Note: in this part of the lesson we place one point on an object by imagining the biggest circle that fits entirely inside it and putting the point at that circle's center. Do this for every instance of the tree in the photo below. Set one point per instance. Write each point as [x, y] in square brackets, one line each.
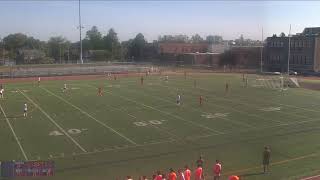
[94, 39]
[57, 46]
[112, 44]
[136, 47]
[196, 38]
[282, 34]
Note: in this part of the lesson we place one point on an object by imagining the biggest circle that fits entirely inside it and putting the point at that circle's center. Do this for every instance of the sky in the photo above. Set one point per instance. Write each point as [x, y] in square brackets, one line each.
[43, 19]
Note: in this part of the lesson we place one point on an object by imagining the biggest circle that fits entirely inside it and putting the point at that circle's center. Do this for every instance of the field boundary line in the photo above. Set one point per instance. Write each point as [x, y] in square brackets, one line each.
[90, 116]
[164, 112]
[193, 109]
[54, 122]
[14, 134]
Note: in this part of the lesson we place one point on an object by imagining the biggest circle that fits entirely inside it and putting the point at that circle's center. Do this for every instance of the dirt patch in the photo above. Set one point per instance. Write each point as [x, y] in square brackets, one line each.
[312, 178]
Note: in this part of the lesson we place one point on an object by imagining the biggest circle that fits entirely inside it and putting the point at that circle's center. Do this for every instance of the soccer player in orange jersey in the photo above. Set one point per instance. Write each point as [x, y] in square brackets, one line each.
[217, 170]
[187, 173]
[172, 175]
[198, 175]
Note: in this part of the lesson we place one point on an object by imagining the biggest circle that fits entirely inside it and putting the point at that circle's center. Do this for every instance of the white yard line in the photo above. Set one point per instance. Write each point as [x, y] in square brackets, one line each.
[14, 134]
[163, 112]
[54, 122]
[90, 116]
[310, 178]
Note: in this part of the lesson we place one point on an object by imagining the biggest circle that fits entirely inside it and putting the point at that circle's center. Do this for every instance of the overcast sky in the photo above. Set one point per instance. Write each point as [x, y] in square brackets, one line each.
[43, 19]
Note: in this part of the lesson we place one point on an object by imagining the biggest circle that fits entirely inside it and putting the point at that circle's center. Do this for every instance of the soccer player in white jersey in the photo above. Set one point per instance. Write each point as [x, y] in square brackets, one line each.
[25, 110]
[1, 92]
[178, 99]
[65, 87]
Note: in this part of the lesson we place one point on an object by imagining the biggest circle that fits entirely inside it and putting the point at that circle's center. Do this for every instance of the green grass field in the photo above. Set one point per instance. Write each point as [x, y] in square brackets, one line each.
[136, 130]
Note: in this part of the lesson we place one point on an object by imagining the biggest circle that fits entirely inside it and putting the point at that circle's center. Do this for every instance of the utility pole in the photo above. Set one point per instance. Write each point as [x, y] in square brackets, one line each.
[60, 52]
[289, 50]
[80, 29]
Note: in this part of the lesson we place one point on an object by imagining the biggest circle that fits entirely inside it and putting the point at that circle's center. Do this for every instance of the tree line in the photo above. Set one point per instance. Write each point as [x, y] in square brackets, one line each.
[25, 49]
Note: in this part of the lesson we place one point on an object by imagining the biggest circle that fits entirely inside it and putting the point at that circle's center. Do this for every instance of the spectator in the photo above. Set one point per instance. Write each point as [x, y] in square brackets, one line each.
[217, 170]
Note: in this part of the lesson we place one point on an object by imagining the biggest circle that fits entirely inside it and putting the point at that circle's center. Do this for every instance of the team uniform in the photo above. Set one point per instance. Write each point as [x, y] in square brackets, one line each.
[141, 80]
[25, 110]
[178, 99]
[65, 88]
[39, 79]
[187, 174]
[1, 92]
[172, 175]
[167, 78]
[198, 175]
[217, 170]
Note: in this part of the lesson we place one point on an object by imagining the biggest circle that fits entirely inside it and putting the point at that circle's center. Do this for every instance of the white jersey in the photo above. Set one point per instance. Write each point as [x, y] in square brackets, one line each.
[1, 91]
[25, 107]
[39, 79]
[178, 98]
[65, 86]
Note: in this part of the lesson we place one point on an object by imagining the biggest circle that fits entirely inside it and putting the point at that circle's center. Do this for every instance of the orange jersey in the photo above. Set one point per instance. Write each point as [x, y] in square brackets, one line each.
[172, 176]
[217, 169]
[198, 173]
[187, 174]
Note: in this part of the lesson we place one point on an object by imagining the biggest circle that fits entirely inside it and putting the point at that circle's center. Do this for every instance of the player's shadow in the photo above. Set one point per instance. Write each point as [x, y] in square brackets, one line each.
[252, 174]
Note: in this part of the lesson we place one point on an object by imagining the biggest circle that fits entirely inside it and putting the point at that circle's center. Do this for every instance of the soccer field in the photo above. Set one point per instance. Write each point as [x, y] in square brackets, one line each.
[136, 129]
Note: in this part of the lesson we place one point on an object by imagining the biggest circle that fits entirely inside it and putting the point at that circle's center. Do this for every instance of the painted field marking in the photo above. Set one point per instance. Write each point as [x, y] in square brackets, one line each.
[14, 134]
[270, 109]
[54, 122]
[121, 109]
[169, 114]
[90, 116]
[218, 115]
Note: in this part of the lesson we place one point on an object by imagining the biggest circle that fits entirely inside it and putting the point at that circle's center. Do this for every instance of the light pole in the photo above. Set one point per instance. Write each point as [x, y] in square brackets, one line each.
[80, 27]
[289, 50]
[261, 63]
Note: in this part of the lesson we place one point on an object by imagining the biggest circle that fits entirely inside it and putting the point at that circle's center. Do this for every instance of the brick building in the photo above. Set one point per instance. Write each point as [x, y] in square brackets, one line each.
[304, 52]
